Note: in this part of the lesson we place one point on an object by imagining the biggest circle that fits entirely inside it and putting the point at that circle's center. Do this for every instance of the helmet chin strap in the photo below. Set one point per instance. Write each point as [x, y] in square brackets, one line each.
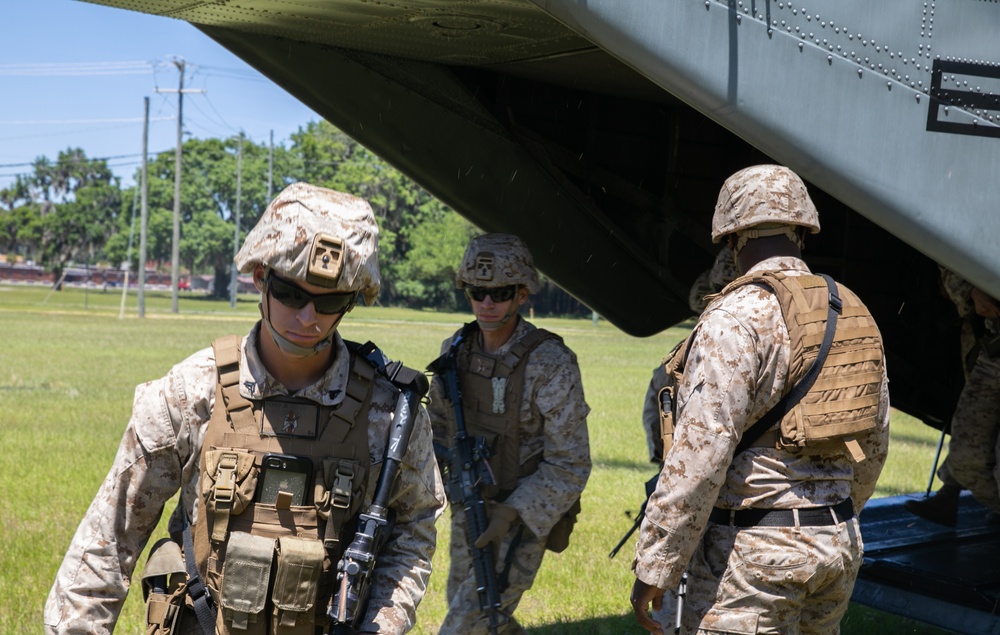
[284, 343]
[502, 322]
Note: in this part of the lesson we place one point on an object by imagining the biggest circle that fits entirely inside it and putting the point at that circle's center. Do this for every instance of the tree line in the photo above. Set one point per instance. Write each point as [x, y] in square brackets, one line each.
[73, 210]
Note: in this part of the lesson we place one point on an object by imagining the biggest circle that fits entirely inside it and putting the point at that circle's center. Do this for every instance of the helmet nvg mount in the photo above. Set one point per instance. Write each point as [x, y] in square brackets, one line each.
[771, 198]
[497, 260]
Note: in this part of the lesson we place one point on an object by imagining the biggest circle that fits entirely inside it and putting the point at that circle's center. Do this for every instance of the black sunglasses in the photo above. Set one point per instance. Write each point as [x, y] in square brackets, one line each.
[295, 297]
[499, 294]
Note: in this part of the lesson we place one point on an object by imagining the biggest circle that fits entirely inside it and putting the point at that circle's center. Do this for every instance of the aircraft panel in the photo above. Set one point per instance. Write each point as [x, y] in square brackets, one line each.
[847, 107]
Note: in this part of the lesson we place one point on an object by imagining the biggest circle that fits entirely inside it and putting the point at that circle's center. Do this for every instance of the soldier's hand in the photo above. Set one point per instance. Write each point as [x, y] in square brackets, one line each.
[642, 596]
[501, 518]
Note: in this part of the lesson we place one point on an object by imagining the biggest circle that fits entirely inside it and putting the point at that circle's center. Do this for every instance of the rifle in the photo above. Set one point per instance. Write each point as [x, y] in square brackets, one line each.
[357, 564]
[467, 472]
[650, 487]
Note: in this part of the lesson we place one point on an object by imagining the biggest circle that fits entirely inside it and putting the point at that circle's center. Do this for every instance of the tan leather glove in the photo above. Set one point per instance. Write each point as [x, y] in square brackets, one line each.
[501, 518]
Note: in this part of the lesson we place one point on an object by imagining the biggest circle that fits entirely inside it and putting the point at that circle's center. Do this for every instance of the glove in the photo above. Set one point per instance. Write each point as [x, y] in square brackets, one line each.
[501, 519]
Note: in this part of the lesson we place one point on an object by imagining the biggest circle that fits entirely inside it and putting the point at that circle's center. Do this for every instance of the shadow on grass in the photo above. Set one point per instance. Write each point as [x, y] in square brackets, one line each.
[914, 439]
[608, 625]
[644, 467]
[860, 620]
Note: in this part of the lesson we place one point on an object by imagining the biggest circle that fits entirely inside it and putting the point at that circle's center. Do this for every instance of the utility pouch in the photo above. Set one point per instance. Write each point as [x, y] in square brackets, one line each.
[296, 586]
[337, 498]
[164, 587]
[229, 486]
[558, 538]
[245, 577]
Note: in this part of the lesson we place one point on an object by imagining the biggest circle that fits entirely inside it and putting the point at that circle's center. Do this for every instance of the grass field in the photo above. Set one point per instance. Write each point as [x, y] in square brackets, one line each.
[67, 373]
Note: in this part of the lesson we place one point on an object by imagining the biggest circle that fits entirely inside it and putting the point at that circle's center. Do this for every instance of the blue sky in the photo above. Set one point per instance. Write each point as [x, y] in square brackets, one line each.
[74, 74]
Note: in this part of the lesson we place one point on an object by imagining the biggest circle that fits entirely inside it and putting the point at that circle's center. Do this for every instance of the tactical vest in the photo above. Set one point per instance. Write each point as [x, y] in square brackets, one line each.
[492, 386]
[270, 565]
[844, 401]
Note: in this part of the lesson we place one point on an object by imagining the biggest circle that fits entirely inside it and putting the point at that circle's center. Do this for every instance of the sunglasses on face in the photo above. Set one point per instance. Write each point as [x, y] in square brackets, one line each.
[499, 294]
[295, 297]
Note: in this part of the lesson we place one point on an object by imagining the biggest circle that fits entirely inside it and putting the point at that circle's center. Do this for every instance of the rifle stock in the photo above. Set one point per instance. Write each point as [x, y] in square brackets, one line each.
[467, 471]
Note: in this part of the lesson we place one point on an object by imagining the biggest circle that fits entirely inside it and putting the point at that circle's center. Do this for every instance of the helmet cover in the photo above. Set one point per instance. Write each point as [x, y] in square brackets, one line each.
[497, 260]
[319, 236]
[763, 194]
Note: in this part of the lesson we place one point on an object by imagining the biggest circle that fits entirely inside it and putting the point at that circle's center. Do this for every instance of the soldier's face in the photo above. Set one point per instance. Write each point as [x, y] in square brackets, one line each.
[489, 312]
[303, 326]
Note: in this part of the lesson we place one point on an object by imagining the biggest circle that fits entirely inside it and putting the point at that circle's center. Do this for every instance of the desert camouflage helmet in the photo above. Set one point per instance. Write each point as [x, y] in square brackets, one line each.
[497, 260]
[319, 236]
[763, 195]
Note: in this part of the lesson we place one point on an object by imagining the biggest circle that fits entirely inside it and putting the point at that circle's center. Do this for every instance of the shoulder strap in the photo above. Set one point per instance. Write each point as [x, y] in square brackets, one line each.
[791, 398]
[227, 361]
[525, 345]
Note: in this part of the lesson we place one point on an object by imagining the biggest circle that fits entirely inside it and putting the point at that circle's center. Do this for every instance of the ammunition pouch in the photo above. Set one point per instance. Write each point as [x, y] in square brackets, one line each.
[558, 538]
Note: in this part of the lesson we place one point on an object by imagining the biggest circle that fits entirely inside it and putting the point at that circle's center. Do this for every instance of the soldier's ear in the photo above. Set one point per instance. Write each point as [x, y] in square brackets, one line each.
[258, 277]
[522, 294]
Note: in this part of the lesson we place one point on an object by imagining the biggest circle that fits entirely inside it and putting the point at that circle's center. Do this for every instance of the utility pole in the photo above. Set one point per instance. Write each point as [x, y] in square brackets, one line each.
[270, 168]
[175, 251]
[144, 214]
[234, 282]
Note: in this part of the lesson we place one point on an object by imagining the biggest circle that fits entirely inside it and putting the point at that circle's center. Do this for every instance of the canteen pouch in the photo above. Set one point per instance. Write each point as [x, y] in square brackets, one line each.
[296, 585]
[164, 587]
[245, 577]
[558, 538]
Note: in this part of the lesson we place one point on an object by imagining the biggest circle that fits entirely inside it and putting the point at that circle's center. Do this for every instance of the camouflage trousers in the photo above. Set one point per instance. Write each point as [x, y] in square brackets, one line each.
[975, 433]
[464, 616]
[783, 580]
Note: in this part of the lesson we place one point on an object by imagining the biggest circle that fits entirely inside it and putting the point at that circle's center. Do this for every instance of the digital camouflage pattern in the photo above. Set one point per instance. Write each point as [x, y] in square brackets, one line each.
[975, 426]
[708, 282]
[763, 194]
[283, 240]
[497, 260]
[159, 454]
[802, 578]
[553, 425]
[711, 281]
[735, 372]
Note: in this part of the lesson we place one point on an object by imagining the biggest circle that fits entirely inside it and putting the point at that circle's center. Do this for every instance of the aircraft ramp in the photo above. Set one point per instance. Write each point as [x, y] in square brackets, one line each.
[946, 577]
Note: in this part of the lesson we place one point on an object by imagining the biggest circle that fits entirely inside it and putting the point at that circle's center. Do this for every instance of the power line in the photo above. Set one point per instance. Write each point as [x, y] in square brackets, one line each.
[76, 69]
[59, 122]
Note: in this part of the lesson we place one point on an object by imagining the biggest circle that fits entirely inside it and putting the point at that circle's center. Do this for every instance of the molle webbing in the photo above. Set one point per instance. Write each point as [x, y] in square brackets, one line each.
[844, 401]
[227, 359]
[492, 387]
[237, 437]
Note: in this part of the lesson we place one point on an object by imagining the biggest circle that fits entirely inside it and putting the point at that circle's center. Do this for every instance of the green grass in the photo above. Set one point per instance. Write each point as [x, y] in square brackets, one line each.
[69, 366]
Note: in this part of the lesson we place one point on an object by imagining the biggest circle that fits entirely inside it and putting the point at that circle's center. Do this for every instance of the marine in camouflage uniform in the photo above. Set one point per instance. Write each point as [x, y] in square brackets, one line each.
[974, 447]
[788, 577]
[290, 351]
[551, 426]
[708, 282]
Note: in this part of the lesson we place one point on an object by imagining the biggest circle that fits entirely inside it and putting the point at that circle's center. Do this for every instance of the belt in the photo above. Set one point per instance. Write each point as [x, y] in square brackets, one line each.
[808, 516]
